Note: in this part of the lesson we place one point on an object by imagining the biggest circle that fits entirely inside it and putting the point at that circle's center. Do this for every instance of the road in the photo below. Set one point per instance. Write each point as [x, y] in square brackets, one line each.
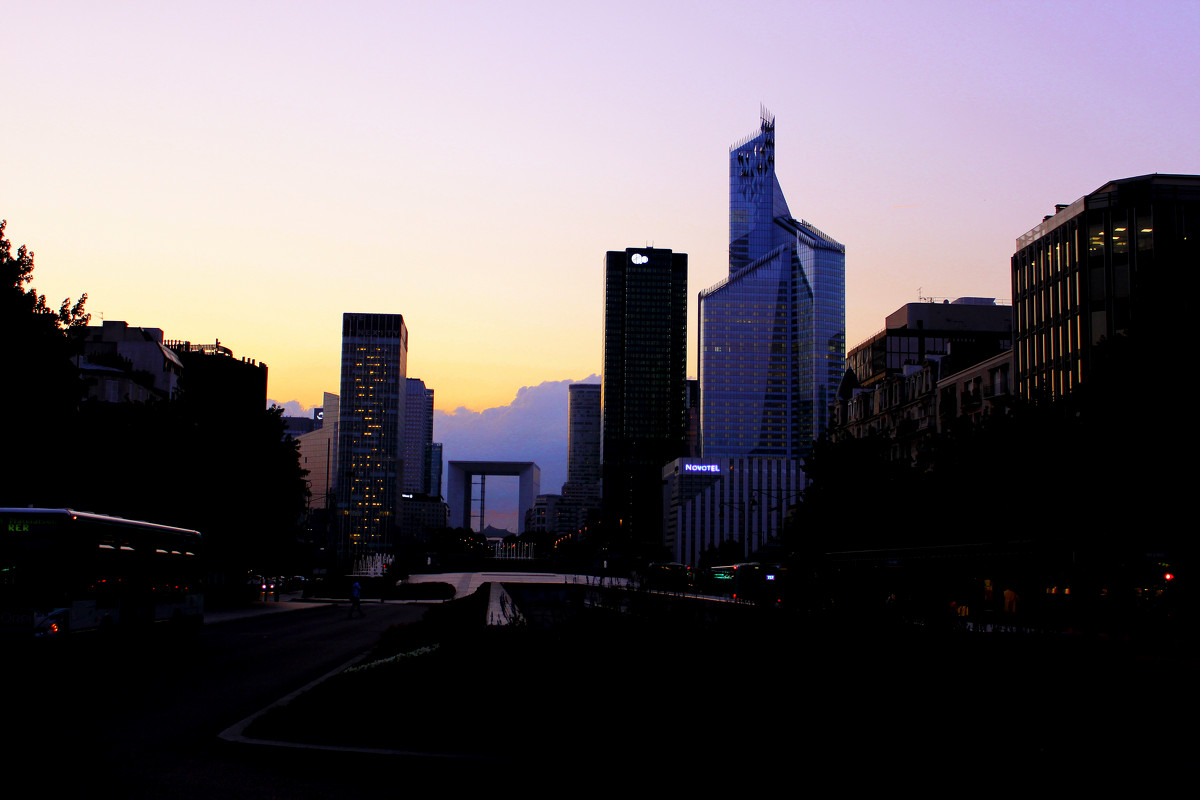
[143, 717]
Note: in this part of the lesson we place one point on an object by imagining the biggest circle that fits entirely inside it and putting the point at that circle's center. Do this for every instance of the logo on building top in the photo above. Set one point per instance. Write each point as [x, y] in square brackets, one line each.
[638, 258]
[701, 467]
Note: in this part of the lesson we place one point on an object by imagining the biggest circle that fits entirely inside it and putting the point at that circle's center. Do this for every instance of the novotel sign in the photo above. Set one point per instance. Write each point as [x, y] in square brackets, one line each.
[702, 468]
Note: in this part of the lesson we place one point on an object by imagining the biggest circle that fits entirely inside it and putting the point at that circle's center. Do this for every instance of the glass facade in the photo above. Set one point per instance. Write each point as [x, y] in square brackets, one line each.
[370, 435]
[581, 491]
[418, 435]
[643, 391]
[773, 333]
[583, 433]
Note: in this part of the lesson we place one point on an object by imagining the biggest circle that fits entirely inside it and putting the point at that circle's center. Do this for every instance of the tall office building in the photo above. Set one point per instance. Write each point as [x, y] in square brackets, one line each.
[773, 333]
[581, 493]
[643, 389]
[1107, 268]
[583, 433]
[433, 468]
[371, 431]
[418, 436]
[318, 455]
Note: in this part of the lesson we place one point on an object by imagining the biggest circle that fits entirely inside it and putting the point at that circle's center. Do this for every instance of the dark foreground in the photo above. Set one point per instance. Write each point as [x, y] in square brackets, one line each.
[659, 700]
[751, 696]
[89, 715]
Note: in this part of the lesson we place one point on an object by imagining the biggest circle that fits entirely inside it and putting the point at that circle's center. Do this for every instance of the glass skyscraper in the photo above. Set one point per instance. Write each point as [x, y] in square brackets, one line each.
[581, 492]
[773, 333]
[643, 389]
[418, 436]
[371, 430]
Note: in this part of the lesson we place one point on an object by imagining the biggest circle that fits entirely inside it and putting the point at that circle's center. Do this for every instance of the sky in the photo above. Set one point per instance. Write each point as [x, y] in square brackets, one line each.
[248, 171]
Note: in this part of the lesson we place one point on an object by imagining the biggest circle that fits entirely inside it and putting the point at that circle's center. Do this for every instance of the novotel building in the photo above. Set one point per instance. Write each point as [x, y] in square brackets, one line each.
[707, 501]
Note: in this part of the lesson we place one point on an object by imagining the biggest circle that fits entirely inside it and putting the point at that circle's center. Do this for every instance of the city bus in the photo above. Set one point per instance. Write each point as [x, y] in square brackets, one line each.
[670, 577]
[740, 581]
[64, 570]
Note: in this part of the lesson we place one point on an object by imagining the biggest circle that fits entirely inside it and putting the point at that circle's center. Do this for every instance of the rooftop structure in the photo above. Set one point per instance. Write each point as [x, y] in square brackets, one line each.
[128, 364]
[974, 327]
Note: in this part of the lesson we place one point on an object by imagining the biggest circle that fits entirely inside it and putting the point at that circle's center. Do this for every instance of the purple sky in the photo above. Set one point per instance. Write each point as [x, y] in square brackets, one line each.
[249, 171]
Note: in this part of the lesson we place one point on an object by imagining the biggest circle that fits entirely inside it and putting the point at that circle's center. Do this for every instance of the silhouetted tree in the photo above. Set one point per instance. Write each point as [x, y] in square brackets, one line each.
[235, 477]
[229, 472]
[41, 385]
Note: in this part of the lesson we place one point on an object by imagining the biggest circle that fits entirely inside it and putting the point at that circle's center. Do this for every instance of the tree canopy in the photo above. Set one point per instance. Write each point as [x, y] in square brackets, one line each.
[225, 469]
[42, 385]
[16, 272]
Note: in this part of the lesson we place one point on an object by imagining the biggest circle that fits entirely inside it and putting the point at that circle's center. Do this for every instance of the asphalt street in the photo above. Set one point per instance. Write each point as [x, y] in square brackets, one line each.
[143, 716]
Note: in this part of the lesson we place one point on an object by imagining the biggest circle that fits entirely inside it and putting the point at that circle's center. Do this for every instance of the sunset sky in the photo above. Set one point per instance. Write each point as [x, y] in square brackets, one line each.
[248, 171]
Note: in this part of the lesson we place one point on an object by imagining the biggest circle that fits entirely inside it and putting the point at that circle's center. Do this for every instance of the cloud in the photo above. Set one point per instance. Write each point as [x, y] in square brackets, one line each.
[292, 408]
[533, 427]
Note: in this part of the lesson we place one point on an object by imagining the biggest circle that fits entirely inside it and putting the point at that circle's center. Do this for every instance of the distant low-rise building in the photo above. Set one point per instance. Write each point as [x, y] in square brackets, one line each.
[543, 517]
[298, 426]
[710, 501]
[976, 392]
[421, 515]
[214, 379]
[124, 364]
[916, 332]
[891, 387]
